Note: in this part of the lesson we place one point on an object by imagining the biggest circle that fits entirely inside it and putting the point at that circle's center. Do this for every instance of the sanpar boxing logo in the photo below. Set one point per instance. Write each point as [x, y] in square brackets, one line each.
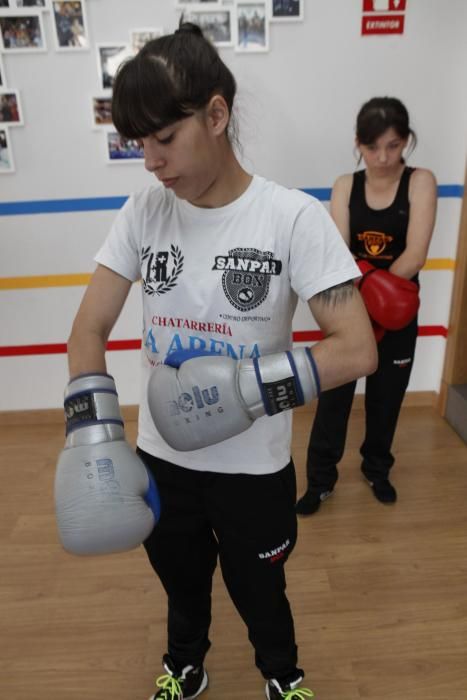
[160, 271]
[246, 276]
[274, 554]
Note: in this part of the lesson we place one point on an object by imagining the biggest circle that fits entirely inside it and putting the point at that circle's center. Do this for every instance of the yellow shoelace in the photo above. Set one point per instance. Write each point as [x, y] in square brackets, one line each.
[298, 694]
[170, 685]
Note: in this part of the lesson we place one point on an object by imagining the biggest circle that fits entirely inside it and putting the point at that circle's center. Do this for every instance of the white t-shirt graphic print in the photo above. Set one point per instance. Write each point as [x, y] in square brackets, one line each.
[225, 280]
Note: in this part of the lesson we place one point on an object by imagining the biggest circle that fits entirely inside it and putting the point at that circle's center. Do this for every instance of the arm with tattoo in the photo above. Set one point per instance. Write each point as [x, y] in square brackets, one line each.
[348, 349]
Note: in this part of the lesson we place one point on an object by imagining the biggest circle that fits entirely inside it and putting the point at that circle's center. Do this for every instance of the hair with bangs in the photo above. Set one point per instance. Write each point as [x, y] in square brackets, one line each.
[380, 114]
[169, 79]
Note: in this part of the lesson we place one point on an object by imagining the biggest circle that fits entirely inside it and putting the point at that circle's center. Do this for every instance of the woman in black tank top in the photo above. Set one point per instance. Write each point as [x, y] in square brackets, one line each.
[386, 214]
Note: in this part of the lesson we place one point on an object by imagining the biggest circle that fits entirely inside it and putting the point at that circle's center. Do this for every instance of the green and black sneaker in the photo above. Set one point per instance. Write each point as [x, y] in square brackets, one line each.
[180, 684]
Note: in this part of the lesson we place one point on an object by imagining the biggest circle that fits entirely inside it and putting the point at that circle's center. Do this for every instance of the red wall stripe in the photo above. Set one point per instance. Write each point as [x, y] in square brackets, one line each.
[60, 348]
[433, 330]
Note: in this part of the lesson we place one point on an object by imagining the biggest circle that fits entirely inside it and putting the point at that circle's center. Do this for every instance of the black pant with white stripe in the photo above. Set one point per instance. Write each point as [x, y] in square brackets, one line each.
[248, 522]
[384, 393]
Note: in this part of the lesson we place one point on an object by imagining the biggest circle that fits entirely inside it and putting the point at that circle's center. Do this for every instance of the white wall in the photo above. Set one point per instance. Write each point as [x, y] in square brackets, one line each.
[297, 106]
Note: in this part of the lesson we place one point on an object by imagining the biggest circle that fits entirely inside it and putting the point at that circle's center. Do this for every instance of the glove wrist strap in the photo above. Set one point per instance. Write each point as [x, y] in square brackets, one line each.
[91, 405]
[284, 380]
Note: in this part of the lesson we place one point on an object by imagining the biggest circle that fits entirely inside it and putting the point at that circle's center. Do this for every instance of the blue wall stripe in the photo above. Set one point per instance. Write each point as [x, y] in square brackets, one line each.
[59, 206]
[322, 193]
[450, 191]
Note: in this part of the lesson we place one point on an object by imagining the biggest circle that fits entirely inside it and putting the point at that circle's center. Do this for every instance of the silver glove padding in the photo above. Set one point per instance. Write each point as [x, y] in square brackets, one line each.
[212, 398]
[105, 499]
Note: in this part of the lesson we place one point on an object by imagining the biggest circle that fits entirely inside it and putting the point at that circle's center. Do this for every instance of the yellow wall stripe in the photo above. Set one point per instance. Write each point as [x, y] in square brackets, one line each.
[80, 280]
[37, 281]
[439, 264]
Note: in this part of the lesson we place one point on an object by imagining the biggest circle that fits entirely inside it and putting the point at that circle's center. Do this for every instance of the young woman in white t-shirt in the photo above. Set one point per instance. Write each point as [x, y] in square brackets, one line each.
[222, 257]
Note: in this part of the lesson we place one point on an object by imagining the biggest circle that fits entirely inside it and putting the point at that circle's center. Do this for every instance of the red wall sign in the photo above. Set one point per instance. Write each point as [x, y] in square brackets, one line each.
[384, 5]
[383, 24]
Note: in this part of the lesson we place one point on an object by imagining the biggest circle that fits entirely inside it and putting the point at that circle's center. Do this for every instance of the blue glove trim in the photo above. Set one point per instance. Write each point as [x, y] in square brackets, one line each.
[151, 497]
[80, 408]
[282, 394]
[299, 390]
[176, 358]
[90, 374]
[314, 369]
[85, 423]
[84, 392]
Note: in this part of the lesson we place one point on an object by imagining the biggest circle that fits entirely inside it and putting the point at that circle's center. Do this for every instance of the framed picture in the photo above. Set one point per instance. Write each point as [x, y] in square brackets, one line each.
[217, 24]
[139, 37]
[287, 10]
[40, 4]
[11, 113]
[22, 33]
[7, 164]
[109, 57]
[252, 27]
[122, 150]
[70, 25]
[102, 111]
[2, 73]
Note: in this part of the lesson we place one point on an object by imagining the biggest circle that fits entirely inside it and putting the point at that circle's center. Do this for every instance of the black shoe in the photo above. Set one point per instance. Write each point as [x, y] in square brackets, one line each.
[287, 691]
[180, 684]
[383, 490]
[310, 502]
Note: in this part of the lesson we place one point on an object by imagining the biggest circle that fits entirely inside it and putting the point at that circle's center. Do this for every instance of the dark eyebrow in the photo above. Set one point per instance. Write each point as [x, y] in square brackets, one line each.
[338, 294]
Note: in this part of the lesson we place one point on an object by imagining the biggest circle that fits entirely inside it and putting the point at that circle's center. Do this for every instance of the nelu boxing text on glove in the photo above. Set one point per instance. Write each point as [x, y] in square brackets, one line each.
[199, 399]
[105, 499]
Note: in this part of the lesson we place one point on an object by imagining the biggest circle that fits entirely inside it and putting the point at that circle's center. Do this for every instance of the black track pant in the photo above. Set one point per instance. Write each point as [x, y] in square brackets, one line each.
[249, 523]
[384, 393]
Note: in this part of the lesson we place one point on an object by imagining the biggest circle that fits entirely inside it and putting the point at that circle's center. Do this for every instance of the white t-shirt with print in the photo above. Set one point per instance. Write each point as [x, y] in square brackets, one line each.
[225, 280]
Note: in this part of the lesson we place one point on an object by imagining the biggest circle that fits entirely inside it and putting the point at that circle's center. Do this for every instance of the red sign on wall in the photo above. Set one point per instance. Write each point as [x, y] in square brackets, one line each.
[383, 24]
[384, 5]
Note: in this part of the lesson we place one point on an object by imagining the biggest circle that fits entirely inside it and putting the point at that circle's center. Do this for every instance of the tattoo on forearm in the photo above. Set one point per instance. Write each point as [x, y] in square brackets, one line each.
[338, 294]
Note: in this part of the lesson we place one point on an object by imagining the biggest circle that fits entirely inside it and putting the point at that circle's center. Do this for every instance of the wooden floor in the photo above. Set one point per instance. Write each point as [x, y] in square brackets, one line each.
[379, 592]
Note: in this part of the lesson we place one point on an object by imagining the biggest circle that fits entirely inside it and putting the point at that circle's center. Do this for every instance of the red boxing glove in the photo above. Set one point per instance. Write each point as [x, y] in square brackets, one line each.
[391, 301]
[378, 330]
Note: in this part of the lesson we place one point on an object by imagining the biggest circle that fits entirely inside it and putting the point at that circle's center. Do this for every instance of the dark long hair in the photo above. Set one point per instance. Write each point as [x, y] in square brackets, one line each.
[380, 114]
[169, 79]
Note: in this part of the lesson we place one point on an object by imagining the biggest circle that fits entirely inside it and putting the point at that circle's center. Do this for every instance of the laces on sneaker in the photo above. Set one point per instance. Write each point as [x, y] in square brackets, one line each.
[180, 684]
[292, 692]
[170, 686]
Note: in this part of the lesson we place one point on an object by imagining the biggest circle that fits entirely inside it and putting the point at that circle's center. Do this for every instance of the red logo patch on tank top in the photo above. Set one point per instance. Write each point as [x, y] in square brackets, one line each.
[374, 241]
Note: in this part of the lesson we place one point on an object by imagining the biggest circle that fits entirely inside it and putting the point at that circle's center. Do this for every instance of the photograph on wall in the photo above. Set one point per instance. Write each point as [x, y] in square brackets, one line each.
[122, 150]
[69, 19]
[40, 4]
[287, 10]
[22, 33]
[252, 27]
[6, 157]
[2, 73]
[102, 111]
[109, 57]
[216, 25]
[10, 108]
[140, 37]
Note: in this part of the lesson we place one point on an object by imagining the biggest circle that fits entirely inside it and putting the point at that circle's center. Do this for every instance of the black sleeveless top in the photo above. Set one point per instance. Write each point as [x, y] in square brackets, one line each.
[379, 235]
